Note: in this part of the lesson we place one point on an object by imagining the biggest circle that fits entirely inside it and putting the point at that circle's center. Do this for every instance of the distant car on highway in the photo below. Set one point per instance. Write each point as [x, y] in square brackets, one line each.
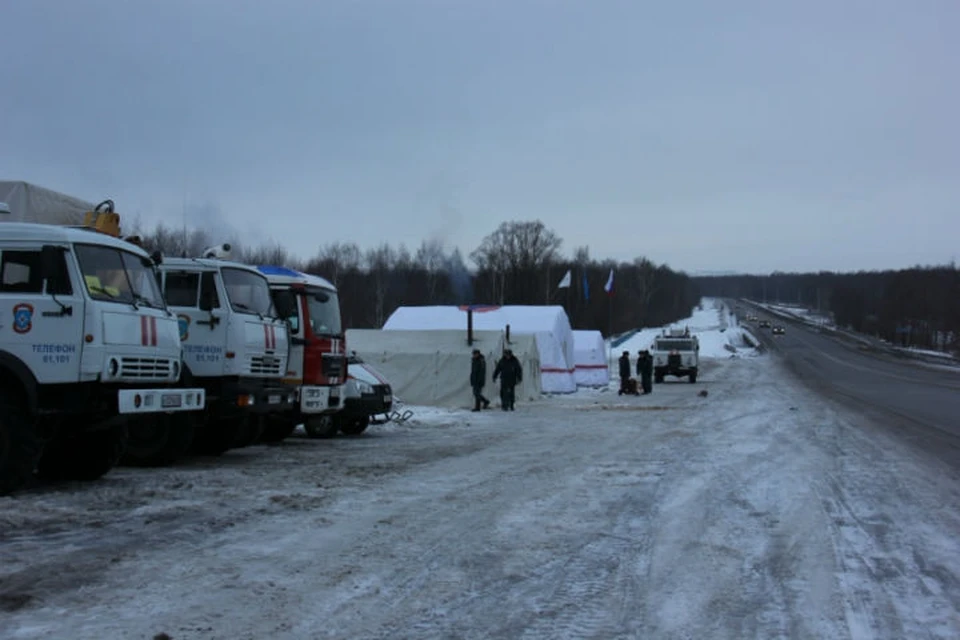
[778, 330]
[764, 324]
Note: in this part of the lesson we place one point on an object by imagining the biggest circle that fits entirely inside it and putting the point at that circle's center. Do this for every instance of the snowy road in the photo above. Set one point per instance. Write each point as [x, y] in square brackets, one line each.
[754, 512]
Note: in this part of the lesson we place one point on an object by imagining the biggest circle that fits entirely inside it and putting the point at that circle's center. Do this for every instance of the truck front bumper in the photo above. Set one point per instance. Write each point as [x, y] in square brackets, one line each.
[315, 400]
[160, 400]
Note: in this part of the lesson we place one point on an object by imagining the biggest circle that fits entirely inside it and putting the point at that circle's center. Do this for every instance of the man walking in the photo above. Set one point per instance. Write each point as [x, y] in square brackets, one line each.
[510, 372]
[624, 373]
[478, 378]
[645, 370]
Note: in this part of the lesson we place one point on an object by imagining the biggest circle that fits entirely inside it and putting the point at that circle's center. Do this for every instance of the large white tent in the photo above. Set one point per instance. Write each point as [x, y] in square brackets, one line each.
[32, 203]
[432, 367]
[549, 324]
[590, 358]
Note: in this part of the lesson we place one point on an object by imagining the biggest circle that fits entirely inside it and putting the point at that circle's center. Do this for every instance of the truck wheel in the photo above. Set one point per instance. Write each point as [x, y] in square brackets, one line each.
[248, 432]
[277, 430]
[321, 427]
[355, 426]
[84, 456]
[158, 441]
[215, 437]
[19, 447]
[693, 377]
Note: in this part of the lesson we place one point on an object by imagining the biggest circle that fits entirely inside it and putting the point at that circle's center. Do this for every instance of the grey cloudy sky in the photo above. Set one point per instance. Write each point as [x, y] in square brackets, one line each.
[749, 136]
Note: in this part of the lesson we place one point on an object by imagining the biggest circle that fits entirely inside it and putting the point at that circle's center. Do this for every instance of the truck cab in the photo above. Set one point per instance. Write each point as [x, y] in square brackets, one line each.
[234, 347]
[675, 353]
[88, 350]
[317, 364]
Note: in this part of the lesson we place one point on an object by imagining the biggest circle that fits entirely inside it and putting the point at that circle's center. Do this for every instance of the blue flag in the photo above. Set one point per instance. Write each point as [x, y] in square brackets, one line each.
[586, 287]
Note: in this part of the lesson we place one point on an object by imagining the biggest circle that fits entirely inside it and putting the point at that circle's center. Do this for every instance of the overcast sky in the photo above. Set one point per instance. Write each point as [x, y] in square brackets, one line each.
[746, 136]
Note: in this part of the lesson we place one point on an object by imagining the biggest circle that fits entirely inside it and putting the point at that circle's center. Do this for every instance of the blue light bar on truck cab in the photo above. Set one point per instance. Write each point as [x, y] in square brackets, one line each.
[279, 271]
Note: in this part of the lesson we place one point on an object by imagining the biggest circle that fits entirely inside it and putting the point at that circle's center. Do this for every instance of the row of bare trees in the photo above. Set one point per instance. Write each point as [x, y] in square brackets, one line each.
[917, 307]
[518, 263]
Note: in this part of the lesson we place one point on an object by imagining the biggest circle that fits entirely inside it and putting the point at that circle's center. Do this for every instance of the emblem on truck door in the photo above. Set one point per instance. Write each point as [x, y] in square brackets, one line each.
[183, 323]
[23, 318]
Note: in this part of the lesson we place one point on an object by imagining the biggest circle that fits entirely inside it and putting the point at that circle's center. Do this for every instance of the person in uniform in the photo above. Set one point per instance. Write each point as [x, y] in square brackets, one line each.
[478, 378]
[510, 372]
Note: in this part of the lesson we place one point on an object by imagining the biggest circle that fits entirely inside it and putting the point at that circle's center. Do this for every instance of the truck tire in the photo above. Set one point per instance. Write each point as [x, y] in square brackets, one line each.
[85, 456]
[248, 432]
[215, 437]
[19, 447]
[277, 430]
[321, 427]
[355, 426]
[158, 441]
[693, 377]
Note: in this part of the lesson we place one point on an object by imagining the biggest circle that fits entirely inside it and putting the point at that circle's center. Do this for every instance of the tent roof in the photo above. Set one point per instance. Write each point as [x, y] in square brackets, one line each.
[519, 317]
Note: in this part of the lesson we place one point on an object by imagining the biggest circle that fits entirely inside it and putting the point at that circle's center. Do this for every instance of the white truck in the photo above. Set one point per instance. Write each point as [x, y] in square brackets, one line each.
[318, 363]
[675, 353]
[234, 346]
[88, 351]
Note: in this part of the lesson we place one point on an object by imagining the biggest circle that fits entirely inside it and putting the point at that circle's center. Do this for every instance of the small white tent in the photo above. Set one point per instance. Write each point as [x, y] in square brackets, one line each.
[31, 203]
[590, 358]
[432, 367]
[549, 324]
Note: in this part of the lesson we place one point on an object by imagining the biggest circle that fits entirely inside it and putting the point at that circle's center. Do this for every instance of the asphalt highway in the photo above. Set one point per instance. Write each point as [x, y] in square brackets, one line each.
[918, 401]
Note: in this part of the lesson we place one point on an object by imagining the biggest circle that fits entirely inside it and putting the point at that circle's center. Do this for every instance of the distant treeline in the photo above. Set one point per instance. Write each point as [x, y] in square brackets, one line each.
[519, 263]
[917, 307]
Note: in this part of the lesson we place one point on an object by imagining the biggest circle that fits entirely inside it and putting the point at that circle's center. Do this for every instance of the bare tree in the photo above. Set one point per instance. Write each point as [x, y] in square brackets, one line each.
[520, 250]
[380, 262]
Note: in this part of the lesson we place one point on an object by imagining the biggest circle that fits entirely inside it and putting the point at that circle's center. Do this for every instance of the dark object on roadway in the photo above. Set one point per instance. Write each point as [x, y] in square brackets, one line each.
[764, 324]
[703, 394]
[778, 330]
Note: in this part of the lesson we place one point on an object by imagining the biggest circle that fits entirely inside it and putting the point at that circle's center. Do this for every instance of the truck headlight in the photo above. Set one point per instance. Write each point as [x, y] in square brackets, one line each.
[113, 367]
[176, 370]
[365, 387]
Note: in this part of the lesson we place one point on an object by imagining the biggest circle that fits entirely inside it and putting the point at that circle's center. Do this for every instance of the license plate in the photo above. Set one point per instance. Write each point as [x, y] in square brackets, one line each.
[273, 400]
[170, 400]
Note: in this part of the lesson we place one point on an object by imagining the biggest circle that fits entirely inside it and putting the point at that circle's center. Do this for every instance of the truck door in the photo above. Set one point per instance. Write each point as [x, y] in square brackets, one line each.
[35, 324]
[290, 307]
[192, 295]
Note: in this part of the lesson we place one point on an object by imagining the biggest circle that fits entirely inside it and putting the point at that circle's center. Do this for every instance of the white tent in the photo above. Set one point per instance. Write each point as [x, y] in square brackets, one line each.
[548, 323]
[32, 203]
[432, 367]
[590, 358]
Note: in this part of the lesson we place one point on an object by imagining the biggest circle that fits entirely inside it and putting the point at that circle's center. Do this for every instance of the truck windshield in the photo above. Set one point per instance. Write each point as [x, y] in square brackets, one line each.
[324, 307]
[118, 276]
[248, 292]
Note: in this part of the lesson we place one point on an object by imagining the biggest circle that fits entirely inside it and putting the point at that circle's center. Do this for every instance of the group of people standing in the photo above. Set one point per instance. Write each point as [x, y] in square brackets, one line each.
[628, 384]
[509, 371]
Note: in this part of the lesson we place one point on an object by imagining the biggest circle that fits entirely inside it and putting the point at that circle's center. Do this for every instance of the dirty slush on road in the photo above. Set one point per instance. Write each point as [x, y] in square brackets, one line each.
[754, 510]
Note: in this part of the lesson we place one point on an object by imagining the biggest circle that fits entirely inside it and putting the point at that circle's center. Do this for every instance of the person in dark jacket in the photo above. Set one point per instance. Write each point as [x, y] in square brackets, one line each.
[478, 378]
[510, 372]
[645, 370]
[624, 373]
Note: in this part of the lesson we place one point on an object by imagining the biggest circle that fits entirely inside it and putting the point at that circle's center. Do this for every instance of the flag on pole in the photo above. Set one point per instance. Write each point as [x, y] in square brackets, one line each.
[586, 287]
[609, 286]
[565, 282]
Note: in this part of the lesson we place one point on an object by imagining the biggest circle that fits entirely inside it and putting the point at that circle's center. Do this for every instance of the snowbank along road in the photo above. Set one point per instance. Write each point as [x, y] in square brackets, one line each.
[758, 511]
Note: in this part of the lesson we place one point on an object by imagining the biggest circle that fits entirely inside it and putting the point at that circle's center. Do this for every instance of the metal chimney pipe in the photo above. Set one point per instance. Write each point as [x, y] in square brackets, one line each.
[470, 327]
[508, 334]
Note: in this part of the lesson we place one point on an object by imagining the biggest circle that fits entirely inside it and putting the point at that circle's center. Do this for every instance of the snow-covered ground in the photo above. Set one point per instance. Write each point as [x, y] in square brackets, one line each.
[755, 511]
